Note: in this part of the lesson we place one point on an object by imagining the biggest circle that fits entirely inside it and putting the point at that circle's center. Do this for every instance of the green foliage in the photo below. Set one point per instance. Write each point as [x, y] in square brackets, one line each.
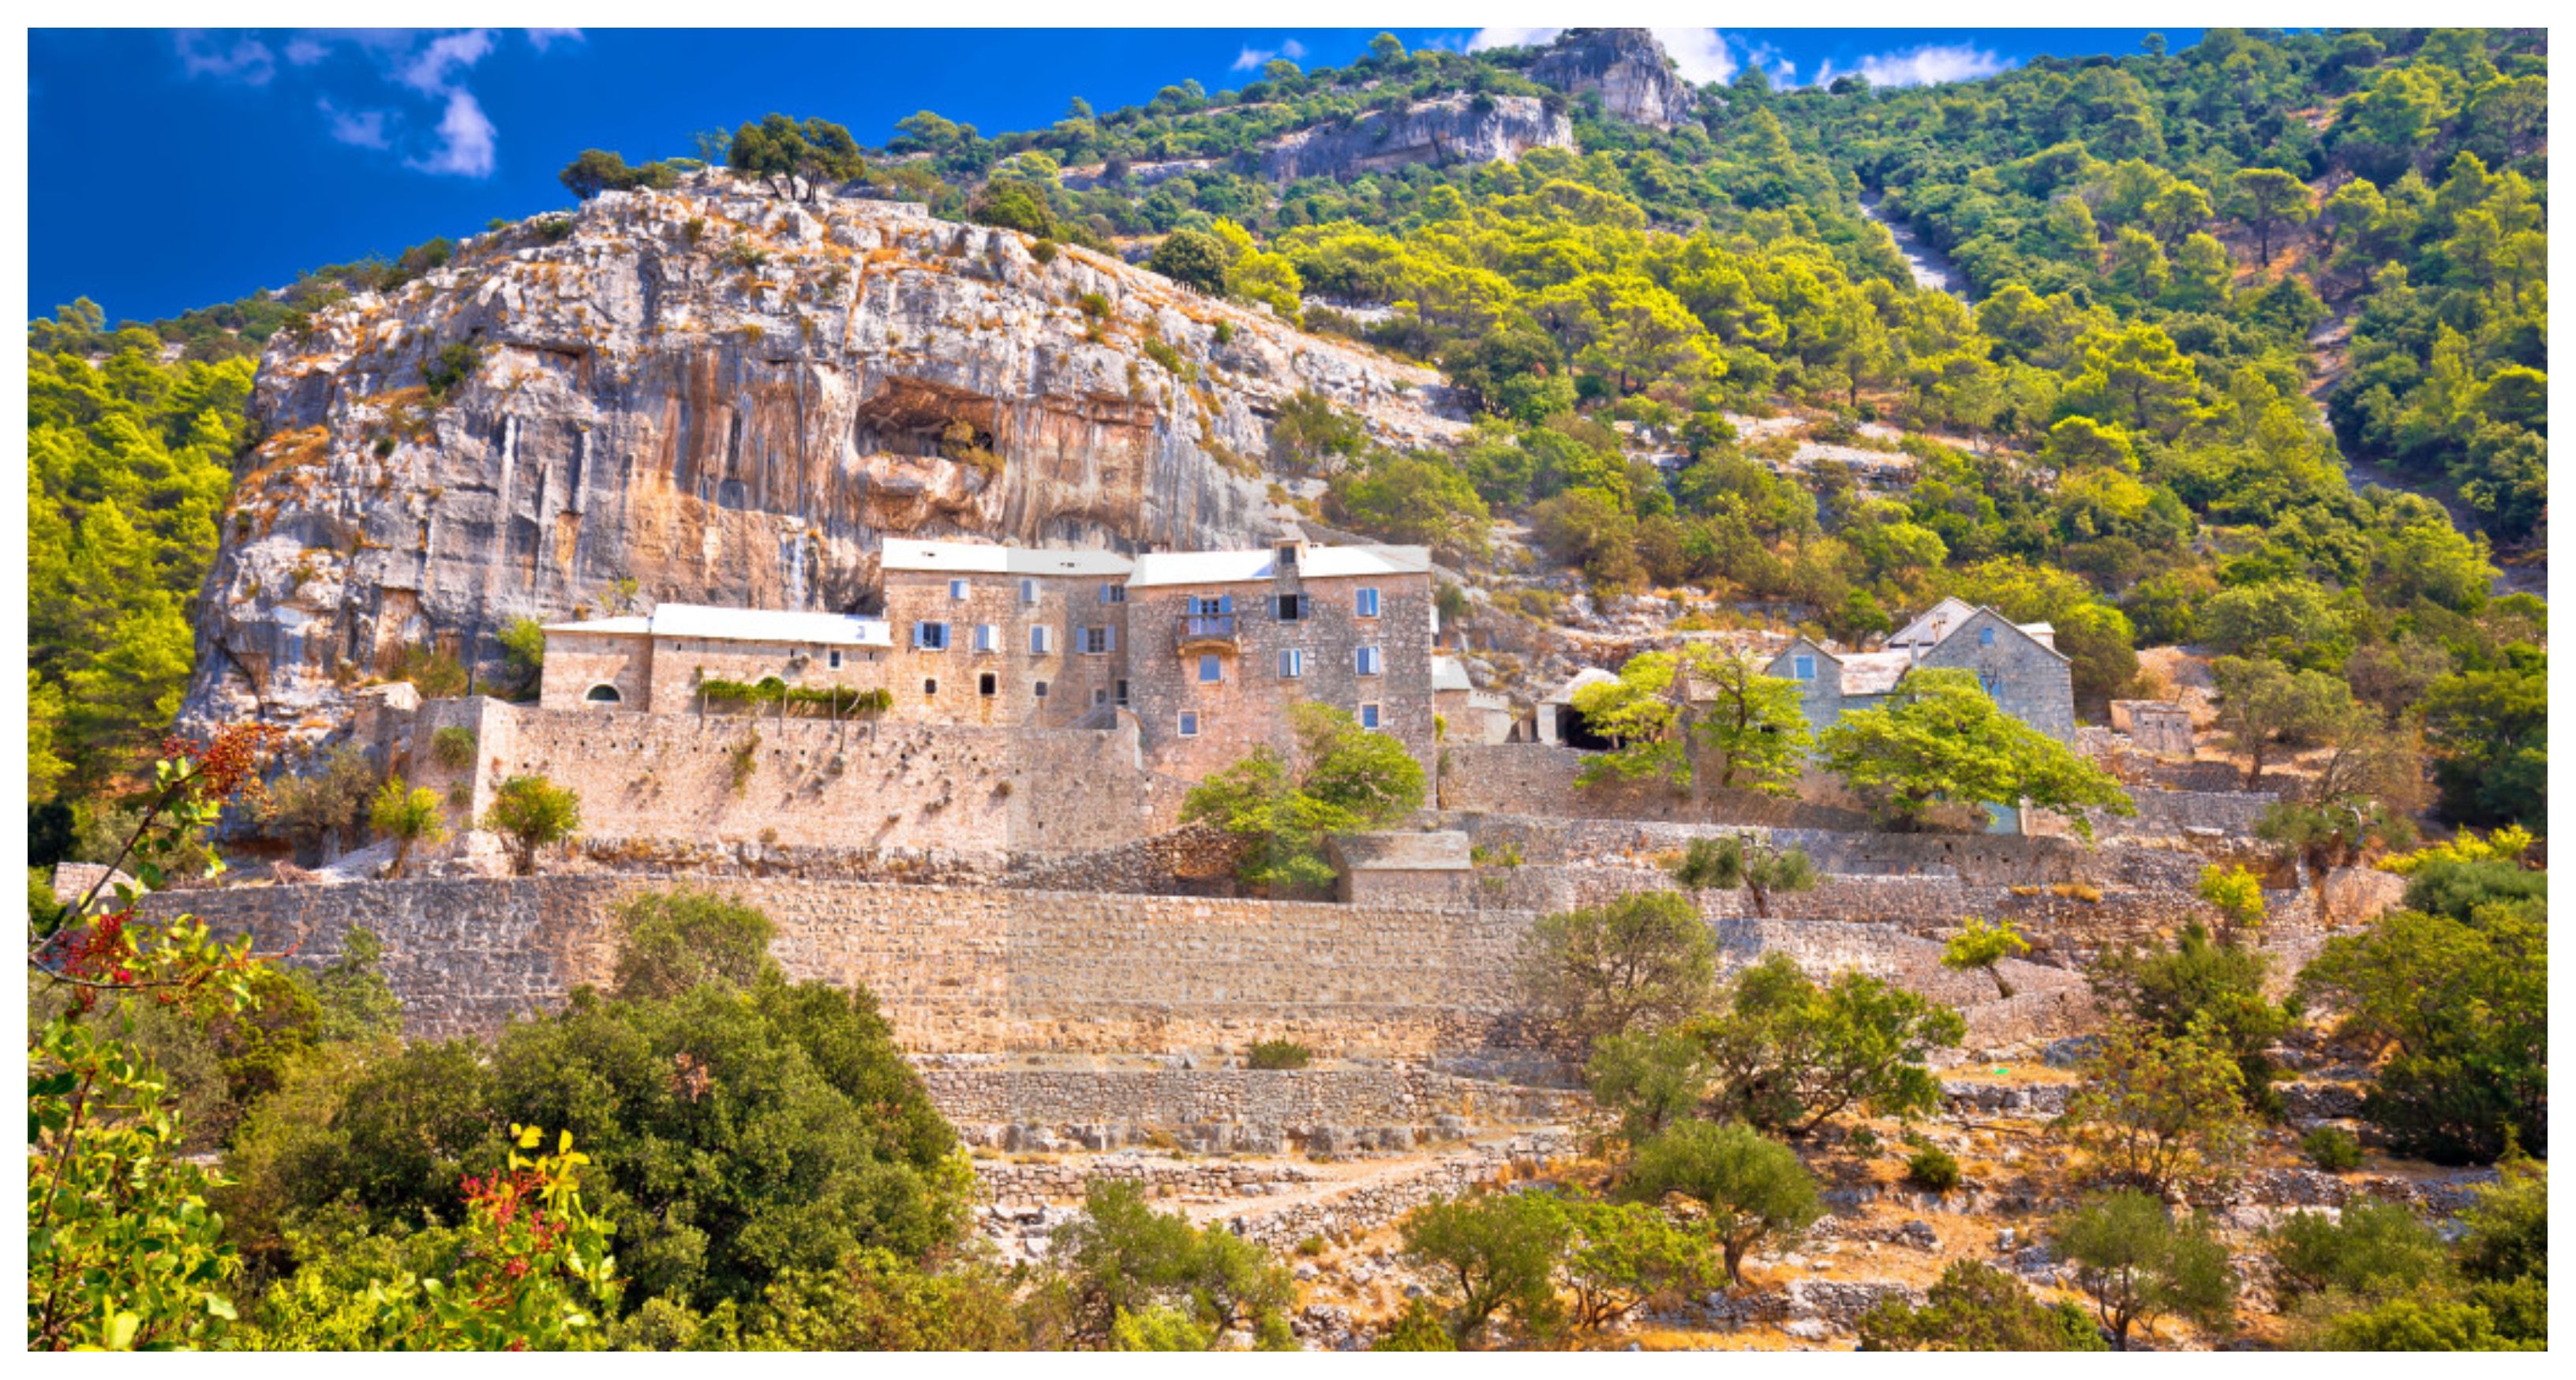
[435, 671]
[1976, 1307]
[1739, 860]
[874, 1300]
[672, 941]
[600, 170]
[454, 363]
[1193, 258]
[1752, 1188]
[2332, 1149]
[2205, 989]
[452, 747]
[533, 813]
[1415, 499]
[1418, 1328]
[1651, 1079]
[2237, 896]
[2263, 704]
[833, 699]
[2157, 1109]
[1121, 1261]
[1788, 1055]
[2369, 1250]
[1277, 1054]
[2460, 1010]
[523, 656]
[1642, 960]
[1625, 1256]
[2139, 1265]
[1347, 780]
[796, 158]
[1493, 1254]
[1980, 946]
[1941, 740]
[1932, 1169]
[408, 815]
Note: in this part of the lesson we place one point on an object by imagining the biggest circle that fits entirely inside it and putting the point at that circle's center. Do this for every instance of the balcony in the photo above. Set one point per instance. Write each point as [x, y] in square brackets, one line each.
[1204, 632]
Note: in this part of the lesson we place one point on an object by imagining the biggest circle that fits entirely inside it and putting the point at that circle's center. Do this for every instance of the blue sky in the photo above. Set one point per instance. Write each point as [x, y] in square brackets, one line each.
[175, 169]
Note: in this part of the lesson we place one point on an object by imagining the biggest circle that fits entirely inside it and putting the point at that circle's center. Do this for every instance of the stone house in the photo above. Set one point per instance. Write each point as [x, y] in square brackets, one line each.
[1470, 715]
[1004, 635]
[653, 662]
[1223, 642]
[2018, 664]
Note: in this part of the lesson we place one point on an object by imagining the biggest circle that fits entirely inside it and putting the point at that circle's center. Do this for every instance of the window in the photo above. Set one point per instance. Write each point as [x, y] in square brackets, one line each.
[1041, 689]
[1370, 663]
[1223, 603]
[1211, 667]
[930, 637]
[1119, 693]
[1028, 591]
[1291, 607]
[1041, 640]
[1292, 664]
[1189, 724]
[1992, 683]
[1099, 641]
[1366, 604]
[957, 589]
[988, 684]
[988, 637]
[1985, 637]
[930, 687]
[1099, 697]
[602, 694]
[836, 658]
[1803, 667]
[1287, 555]
[1113, 594]
[1368, 716]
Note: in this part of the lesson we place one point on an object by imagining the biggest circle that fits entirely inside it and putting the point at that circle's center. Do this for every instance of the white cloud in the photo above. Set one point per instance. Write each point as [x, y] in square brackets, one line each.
[1699, 54]
[364, 128]
[543, 39]
[1929, 65]
[1253, 59]
[465, 138]
[305, 51]
[246, 59]
[1510, 38]
[427, 73]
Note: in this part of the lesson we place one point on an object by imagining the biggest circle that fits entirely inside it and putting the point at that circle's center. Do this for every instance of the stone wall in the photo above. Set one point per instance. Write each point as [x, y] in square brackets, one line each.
[1539, 779]
[1230, 1110]
[1986, 859]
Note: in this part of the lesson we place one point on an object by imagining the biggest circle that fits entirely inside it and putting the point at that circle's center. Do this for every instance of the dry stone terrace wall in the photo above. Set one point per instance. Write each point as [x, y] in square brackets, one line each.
[1234, 1109]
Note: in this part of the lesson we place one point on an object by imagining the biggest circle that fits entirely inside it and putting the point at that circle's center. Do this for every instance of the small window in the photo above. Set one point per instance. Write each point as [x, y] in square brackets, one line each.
[1211, 668]
[1369, 661]
[1041, 689]
[1992, 683]
[1292, 663]
[603, 694]
[1099, 697]
[1119, 694]
[988, 684]
[1041, 640]
[1804, 667]
[957, 589]
[930, 687]
[1028, 591]
[1288, 555]
[1099, 641]
[1113, 594]
[1985, 637]
[1366, 604]
[1189, 724]
[930, 637]
[988, 637]
[836, 658]
[1291, 607]
[1368, 716]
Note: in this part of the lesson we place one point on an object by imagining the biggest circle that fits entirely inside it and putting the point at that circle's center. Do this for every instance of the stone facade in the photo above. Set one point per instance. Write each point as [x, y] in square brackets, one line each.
[2019, 667]
[1024, 636]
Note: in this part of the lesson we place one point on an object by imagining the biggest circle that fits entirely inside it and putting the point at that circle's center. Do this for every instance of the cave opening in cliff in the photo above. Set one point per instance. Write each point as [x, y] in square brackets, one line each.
[932, 421]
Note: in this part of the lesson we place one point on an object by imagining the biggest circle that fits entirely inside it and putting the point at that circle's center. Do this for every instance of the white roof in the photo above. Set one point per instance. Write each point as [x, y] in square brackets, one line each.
[1874, 673]
[974, 557]
[1936, 624]
[1449, 673]
[1589, 675]
[742, 625]
[1245, 567]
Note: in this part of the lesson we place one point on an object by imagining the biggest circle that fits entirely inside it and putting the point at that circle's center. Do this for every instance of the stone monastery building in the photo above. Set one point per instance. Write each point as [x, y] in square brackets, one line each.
[1206, 649]
[2018, 664]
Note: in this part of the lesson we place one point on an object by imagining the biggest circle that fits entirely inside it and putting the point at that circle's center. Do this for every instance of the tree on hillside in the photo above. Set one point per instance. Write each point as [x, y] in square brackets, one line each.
[1752, 1188]
[794, 157]
[1345, 779]
[533, 813]
[1761, 867]
[408, 815]
[599, 170]
[1789, 1054]
[2156, 1109]
[1193, 258]
[1941, 740]
[2139, 1265]
[1494, 1253]
[1645, 959]
[1976, 1307]
[2263, 704]
[1981, 947]
[1749, 727]
[2265, 199]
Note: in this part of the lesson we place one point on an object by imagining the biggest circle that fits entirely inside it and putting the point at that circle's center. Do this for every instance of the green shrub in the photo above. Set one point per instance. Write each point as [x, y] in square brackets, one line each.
[1044, 251]
[451, 366]
[1162, 353]
[2331, 1148]
[452, 747]
[1278, 1054]
[1093, 305]
[1933, 1169]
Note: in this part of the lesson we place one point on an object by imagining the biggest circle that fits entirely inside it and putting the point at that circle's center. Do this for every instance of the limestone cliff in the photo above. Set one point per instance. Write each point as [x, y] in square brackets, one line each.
[1452, 129]
[728, 398]
[1627, 68]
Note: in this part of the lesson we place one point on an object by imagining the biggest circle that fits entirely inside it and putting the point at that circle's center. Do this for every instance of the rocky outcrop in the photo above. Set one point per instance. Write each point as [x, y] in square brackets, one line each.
[728, 398]
[1625, 67]
[1453, 129]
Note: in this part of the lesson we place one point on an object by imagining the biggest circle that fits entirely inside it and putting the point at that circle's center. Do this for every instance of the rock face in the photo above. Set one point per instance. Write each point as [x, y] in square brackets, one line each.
[729, 399]
[1626, 67]
[1452, 129]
